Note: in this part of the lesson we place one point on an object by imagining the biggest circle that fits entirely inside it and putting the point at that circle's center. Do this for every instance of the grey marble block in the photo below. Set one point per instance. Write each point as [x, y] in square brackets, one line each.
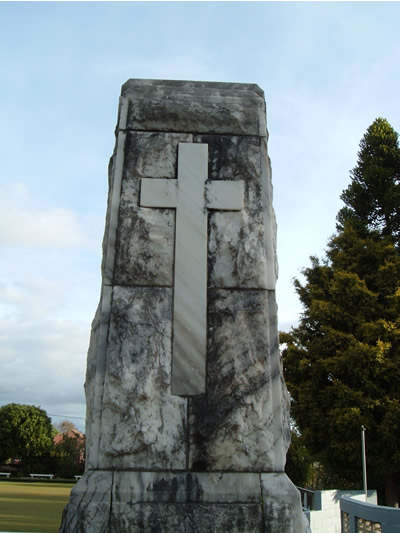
[89, 506]
[187, 411]
[188, 518]
[184, 503]
[142, 424]
[145, 237]
[232, 426]
[203, 107]
[186, 487]
[237, 245]
[281, 500]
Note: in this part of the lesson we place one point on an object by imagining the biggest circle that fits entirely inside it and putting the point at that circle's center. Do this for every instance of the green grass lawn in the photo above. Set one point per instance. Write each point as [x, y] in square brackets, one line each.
[32, 506]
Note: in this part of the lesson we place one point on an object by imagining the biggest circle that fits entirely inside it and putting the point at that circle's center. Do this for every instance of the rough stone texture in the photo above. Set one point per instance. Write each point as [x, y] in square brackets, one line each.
[151, 155]
[281, 505]
[188, 487]
[145, 237]
[142, 424]
[167, 502]
[89, 506]
[237, 250]
[90, 386]
[231, 428]
[203, 107]
[159, 461]
[188, 518]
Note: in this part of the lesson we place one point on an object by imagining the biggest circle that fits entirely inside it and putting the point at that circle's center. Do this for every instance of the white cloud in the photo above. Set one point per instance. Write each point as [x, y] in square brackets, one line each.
[43, 363]
[49, 272]
[24, 224]
[43, 356]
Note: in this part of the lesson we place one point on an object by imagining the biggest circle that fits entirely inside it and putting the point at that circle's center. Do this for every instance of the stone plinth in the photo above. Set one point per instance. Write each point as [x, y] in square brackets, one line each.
[164, 502]
[187, 411]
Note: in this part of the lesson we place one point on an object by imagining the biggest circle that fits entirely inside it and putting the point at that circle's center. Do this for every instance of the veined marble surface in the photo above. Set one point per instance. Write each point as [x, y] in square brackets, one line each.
[188, 302]
[202, 107]
[121, 502]
[187, 410]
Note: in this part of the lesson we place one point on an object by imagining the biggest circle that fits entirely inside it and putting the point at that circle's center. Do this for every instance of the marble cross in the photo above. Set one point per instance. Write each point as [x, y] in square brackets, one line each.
[191, 195]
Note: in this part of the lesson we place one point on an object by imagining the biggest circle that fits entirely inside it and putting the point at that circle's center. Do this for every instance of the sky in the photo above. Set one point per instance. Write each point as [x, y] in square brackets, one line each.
[328, 69]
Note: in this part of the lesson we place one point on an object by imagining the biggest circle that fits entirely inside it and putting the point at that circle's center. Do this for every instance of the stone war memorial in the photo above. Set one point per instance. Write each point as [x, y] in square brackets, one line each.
[187, 411]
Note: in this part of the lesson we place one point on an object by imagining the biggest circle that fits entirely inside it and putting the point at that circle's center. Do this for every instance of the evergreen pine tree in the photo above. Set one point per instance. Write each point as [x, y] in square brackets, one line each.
[372, 200]
[342, 362]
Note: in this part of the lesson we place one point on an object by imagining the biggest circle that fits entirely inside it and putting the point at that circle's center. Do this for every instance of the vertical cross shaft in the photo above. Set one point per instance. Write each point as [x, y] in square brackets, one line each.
[191, 195]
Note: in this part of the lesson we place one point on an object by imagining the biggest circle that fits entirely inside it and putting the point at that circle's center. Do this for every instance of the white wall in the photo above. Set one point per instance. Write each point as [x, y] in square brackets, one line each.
[325, 518]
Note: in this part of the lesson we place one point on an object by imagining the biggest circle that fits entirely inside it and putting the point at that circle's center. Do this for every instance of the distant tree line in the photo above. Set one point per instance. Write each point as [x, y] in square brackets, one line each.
[342, 361]
[29, 443]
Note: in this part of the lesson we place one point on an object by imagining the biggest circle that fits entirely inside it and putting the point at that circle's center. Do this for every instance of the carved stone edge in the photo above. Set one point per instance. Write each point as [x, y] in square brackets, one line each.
[101, 322]
[190, 106]
[99, 494]
[282, 505]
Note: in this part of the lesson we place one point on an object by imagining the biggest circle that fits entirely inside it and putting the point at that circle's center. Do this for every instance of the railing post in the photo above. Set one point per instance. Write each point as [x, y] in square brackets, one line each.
[353, 524]
[364, 461]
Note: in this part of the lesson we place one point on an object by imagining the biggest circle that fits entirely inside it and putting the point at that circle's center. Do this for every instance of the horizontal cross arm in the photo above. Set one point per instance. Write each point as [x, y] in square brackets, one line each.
[225, 195]
[158, 192]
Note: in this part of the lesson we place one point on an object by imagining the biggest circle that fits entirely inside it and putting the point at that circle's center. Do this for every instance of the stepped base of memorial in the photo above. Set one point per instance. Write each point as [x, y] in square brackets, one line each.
[183, 502]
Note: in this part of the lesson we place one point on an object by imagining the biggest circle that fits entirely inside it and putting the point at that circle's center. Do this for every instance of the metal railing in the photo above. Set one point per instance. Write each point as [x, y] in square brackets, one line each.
[360, 517]
[307, 498]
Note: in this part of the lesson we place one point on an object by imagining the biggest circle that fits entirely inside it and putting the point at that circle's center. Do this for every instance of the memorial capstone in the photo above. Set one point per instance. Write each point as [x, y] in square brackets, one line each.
[187, 411]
